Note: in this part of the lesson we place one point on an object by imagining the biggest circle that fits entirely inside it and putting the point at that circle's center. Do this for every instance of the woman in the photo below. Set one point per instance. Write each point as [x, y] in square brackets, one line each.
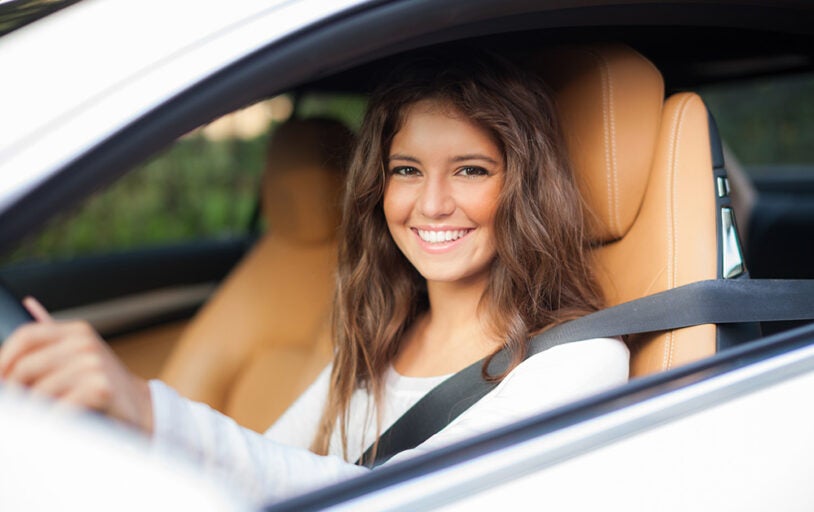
[463, 235]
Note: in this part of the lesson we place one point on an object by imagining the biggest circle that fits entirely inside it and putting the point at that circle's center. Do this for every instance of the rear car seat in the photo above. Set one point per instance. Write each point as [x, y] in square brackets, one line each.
[264, 335]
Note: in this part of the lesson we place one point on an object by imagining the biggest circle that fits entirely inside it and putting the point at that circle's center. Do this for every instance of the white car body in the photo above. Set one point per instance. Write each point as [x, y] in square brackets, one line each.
[55, 458]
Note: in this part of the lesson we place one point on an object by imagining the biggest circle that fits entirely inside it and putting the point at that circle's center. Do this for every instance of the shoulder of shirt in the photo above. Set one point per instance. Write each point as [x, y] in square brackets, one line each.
[610, 355]
[608, 349]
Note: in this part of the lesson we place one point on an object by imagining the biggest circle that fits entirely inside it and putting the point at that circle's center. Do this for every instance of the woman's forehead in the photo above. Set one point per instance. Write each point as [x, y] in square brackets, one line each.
[425, 109]
[433, 105]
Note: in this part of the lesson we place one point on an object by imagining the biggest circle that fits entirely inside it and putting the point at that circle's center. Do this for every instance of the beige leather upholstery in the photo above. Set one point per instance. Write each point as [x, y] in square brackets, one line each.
[145, 351]
[264, 336]
[644, 166]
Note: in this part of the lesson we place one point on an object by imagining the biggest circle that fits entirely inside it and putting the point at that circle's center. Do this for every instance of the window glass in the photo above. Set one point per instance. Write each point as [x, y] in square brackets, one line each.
[348, 108]
[204, 186]
[768, 123]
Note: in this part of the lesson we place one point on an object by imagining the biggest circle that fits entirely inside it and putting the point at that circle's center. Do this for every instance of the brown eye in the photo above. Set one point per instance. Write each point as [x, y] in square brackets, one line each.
[405, 170]
[473, 171]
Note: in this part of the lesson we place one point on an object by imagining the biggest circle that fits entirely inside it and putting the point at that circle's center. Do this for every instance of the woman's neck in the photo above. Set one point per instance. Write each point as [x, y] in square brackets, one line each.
[451, 335]
[455, 304]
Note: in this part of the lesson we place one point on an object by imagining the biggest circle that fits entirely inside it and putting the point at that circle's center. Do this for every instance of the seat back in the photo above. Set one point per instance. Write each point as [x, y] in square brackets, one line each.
[644, 166]
[264, 335]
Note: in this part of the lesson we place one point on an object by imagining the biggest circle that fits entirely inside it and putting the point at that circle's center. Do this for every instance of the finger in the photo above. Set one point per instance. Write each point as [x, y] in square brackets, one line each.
[32, 337]
[93, 392]
[25, 339]
[37, 310]
[35, 365]
[59, 382]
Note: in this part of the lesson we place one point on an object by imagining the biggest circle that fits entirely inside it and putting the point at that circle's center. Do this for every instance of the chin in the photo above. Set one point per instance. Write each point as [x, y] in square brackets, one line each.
[447, 276]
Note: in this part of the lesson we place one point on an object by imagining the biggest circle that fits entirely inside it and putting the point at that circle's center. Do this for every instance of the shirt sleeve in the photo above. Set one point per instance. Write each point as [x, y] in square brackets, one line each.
[257, 467]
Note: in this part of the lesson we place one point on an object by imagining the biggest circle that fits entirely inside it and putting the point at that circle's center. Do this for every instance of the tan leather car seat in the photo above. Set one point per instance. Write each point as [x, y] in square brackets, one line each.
[644, 166]
[264, 335]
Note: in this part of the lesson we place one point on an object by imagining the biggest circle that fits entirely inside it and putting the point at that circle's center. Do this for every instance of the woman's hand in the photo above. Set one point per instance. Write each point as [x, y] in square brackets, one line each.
[68, 361]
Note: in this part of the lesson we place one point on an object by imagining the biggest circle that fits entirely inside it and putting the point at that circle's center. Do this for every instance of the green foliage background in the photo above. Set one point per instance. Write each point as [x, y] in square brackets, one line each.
[198, 188]
[766, 122]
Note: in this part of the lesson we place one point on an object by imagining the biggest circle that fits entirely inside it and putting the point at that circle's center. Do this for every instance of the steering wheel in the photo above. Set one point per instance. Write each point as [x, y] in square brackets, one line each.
[12, 313]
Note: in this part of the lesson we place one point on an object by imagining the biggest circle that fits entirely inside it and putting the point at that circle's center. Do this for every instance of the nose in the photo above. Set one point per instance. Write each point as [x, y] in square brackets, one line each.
[437, 199]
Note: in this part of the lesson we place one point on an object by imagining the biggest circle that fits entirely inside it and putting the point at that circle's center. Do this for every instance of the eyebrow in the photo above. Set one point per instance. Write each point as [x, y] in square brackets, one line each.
[406, 158]
[475, 156]
[459, 158]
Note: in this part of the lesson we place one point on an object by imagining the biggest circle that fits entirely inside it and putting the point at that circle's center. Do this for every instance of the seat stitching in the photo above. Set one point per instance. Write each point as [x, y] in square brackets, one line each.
[606, 135]
[614, 167]
[672, 240]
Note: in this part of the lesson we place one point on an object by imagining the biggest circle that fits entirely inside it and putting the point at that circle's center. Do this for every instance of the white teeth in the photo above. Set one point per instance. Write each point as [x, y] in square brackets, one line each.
[435, 237]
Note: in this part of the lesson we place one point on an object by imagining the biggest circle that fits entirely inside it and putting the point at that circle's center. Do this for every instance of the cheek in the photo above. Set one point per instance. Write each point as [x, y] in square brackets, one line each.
[482, 206]
[396, 214]
[394, 204]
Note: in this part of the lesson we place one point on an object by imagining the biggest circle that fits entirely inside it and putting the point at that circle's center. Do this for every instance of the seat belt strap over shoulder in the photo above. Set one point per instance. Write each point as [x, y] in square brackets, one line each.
[715, 301]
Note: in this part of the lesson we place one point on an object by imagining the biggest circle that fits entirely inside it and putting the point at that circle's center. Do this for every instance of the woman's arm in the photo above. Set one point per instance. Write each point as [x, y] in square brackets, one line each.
[255, 465]
[266, 469]
[68, 361]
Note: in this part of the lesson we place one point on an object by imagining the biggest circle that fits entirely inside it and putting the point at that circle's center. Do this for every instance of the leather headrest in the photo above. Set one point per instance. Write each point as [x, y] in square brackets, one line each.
[306, 165]
[609, 99]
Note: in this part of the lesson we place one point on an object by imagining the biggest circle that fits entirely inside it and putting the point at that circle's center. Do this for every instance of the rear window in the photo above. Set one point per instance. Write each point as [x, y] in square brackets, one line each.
[767, 123]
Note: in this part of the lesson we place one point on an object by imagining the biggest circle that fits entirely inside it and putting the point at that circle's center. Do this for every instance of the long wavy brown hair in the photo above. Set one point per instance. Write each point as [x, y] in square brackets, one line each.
[541, 274]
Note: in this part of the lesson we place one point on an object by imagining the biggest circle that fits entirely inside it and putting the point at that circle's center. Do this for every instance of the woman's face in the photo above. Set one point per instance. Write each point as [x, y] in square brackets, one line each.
[444, 177]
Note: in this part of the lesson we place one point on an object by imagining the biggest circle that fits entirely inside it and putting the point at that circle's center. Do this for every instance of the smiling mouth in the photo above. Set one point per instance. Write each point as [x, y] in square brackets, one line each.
[441, 236]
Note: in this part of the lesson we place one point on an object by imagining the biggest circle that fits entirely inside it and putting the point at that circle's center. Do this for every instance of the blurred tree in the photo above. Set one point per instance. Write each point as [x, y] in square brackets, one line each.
[196, 189]
[766, 122]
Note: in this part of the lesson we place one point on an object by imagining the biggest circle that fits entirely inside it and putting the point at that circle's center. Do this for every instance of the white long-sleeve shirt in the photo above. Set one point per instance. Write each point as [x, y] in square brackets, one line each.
[277, 464]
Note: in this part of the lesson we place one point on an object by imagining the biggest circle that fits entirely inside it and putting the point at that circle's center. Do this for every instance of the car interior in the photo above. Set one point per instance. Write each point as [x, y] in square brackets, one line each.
[261, 339]
[649, 162]
[264, 335]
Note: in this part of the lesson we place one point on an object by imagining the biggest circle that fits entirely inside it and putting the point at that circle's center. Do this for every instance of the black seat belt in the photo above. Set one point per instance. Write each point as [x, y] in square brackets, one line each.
[715, 301]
